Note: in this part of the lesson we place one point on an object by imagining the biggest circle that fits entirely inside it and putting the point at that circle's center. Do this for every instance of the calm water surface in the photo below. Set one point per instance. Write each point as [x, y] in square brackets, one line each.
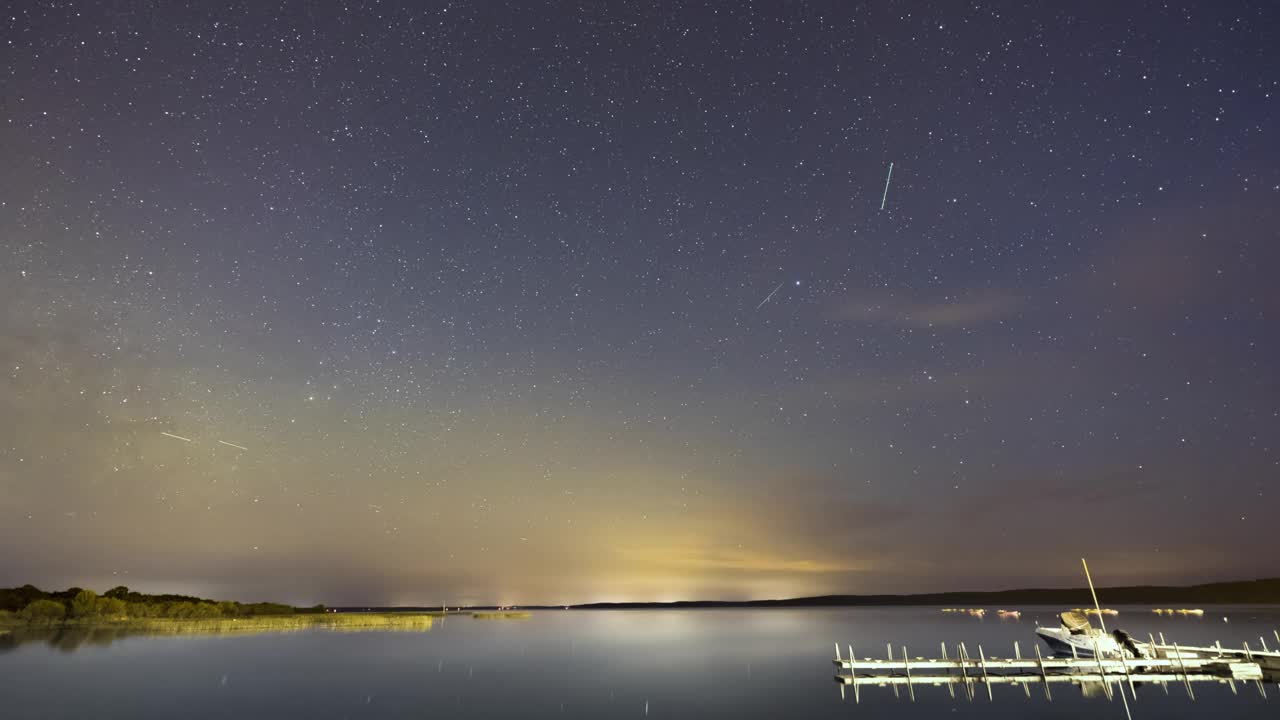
[584, 664]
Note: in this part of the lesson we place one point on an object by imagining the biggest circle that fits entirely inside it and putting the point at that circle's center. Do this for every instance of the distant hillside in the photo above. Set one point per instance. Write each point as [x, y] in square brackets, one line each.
[1250, 592]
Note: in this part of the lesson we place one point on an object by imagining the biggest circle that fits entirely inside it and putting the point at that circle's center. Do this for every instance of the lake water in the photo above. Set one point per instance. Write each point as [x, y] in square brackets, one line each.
[737, 664]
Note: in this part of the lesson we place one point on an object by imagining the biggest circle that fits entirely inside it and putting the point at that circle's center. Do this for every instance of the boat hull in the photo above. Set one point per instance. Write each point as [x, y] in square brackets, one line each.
[1062, 642]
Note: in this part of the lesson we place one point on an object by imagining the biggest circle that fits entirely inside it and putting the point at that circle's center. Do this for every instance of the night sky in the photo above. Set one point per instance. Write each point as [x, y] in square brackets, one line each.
[519, 302]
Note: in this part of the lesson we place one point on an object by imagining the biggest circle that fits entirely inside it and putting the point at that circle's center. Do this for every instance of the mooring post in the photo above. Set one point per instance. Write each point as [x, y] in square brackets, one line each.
[986, 680]
[1017, 654]
[1249, 654]
[1102, 670]
[906, 663]
[853, 675]
[950, 687]
[1186, 680]
[1264, 643]
[1162, 641]
[889, 648]
[837, 652]
[1124, 663]
[1043, 675]
[1155, 653]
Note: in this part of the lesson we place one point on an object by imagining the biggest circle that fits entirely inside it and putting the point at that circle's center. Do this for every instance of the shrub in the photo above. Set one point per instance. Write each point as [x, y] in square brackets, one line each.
[110, 608]
[140, 610]
[44, 612]
[179, 610]
[205, 611]
[85, 604]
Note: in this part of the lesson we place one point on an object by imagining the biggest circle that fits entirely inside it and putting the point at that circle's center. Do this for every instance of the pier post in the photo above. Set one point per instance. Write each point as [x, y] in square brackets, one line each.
[1185, 679]
[906, 663]
[950, 688]
[964, 670]
[1155, 653]
[1043, 675]
[1017, 654]
[1102, 671]
[1124, 663]
[1249, 654]
[986, 680]
[889, 649]
[853, 674]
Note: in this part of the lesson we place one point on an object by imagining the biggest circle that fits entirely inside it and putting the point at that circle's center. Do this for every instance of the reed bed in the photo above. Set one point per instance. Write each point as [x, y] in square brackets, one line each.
[286, 623]
[501, 615]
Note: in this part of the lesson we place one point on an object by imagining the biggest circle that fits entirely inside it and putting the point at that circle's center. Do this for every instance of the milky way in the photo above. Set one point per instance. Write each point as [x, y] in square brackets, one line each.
[445, 303]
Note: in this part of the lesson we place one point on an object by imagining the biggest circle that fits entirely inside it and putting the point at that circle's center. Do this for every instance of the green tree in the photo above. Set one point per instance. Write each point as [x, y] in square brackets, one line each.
[118, 592]
[85, 604]
[43, 612]
[179, 610]
[139, 610]
[228, 608]
[205, 611]
[110, 608]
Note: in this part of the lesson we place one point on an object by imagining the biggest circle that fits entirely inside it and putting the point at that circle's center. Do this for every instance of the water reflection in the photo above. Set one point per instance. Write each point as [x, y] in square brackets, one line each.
[740, 664]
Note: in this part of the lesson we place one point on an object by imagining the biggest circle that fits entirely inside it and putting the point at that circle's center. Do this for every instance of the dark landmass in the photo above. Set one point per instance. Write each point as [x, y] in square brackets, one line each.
[122, 603]
[1245, 592]
[31, 605]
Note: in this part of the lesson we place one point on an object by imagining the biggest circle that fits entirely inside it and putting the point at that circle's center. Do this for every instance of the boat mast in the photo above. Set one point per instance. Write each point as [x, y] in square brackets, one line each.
[1102, 623]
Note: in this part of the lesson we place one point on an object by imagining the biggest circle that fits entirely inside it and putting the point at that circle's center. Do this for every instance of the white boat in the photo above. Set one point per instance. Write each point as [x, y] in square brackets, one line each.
[1075, 636]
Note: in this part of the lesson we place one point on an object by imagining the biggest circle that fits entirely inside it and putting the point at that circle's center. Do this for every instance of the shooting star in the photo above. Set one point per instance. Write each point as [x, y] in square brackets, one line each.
[175, 437]
[886, 186]
[238, 447]
[775, 290]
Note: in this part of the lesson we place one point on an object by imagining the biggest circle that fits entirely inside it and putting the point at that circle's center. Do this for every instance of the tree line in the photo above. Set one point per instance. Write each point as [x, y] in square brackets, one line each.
[35, 606]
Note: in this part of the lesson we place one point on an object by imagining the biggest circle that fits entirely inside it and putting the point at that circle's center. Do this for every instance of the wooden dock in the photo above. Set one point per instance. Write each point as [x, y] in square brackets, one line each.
[1168, 663]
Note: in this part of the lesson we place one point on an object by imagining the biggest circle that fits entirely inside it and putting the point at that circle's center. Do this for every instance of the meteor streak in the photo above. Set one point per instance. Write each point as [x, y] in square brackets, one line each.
[886, 186]
[175, 437]
[238, 447]
[762, 302]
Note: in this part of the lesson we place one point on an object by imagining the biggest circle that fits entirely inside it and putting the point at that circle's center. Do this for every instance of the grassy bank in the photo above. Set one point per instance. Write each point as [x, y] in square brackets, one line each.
[262, 623]
[501, 615]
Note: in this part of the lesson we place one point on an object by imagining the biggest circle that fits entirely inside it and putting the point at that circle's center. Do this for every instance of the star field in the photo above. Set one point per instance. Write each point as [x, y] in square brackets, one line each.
[462, 302]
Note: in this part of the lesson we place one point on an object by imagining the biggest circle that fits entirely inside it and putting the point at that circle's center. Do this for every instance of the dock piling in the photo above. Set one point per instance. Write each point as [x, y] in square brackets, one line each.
[1156, 653]
[950, 688]
[853, 675]
[906, 664]
[964, 658]
[1044, 675]
[889, 649]
[1262, 690]
[1102, 671]
[985, 679]
[1017, 655]
[1182, 661]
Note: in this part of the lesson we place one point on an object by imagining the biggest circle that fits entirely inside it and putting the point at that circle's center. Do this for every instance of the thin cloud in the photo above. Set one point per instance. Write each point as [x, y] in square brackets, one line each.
[957, 311]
